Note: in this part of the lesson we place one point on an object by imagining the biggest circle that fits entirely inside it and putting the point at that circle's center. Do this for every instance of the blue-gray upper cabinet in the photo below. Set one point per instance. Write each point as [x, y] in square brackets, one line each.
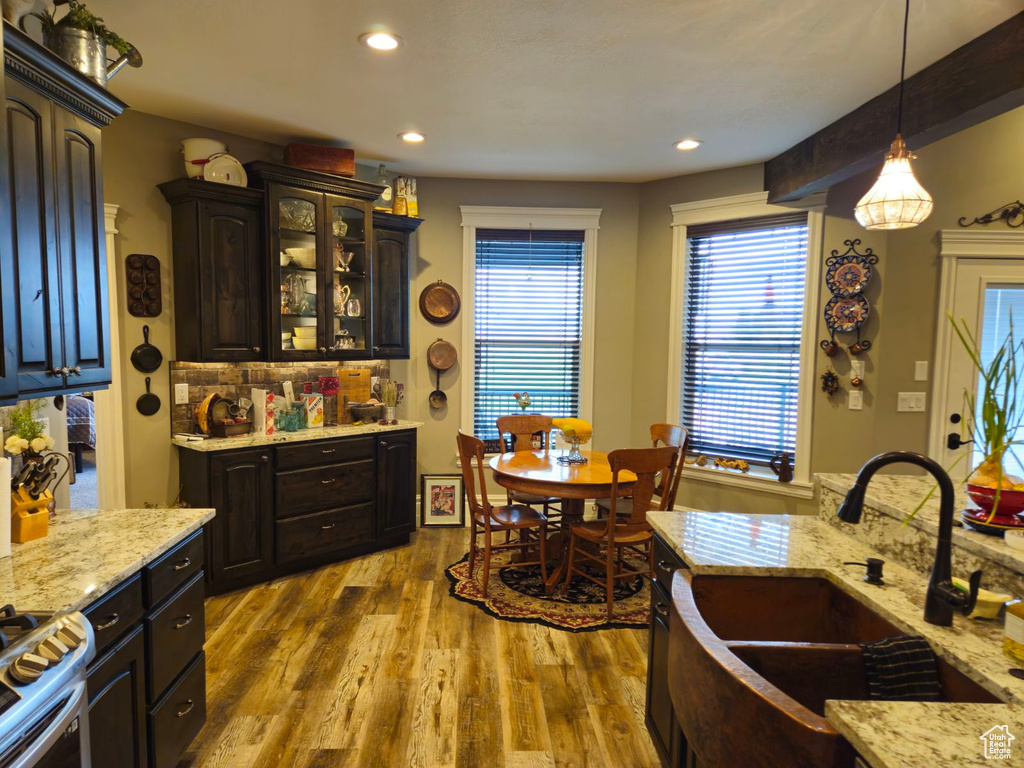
[53, 270]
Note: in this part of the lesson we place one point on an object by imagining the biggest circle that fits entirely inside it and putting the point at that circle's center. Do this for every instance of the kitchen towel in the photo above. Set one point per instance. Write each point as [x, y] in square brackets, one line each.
[901, 669]
[5, 507]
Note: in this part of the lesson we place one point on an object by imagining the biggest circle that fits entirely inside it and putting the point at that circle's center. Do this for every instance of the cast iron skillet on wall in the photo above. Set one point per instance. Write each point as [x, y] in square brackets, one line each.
[145, 357]
[148, 404]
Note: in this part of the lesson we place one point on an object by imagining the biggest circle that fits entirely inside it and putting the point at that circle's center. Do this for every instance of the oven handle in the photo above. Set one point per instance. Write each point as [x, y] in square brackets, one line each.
[75, 707]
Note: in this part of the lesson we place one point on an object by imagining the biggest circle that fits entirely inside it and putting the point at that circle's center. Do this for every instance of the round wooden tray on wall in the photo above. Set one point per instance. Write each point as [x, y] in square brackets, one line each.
[441, 355]
[440, 303]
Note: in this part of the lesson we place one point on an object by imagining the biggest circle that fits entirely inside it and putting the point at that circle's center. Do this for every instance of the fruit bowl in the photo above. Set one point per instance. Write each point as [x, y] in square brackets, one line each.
[1010, 502]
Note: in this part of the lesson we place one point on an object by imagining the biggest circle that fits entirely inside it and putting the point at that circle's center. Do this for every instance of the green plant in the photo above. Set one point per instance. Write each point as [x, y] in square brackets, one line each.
[391, 392]
[80, 17]
[25, 432]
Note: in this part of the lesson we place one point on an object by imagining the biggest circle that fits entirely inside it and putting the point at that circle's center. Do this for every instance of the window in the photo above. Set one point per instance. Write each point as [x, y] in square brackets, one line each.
[744, 311]
[528, 323]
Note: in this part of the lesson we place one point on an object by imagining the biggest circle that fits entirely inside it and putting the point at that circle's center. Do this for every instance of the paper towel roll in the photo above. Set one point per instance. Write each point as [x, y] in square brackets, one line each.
[5, 507]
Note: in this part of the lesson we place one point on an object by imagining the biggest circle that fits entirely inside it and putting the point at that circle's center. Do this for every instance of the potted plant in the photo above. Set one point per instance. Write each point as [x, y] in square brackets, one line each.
[81, 38]
[25, 436]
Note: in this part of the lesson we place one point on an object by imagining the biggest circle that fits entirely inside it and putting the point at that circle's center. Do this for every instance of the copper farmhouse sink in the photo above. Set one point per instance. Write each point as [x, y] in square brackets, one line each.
[752, 661]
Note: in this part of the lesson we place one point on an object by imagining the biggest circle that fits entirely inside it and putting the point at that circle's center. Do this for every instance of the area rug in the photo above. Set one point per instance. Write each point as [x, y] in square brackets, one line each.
[517, 594]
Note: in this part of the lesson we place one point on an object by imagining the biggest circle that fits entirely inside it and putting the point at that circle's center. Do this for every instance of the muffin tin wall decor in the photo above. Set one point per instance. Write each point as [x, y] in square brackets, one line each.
[142, 275]
[846, 276]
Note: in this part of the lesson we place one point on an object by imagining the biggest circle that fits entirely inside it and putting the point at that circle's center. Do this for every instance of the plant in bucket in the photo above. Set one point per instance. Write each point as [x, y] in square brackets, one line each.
[991, 420]
[576, 432]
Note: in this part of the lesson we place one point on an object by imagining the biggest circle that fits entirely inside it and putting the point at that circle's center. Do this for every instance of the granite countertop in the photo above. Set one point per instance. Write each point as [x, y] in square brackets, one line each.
[897, 495]
[302, 436]
[902, 734]
[89, 552]
[787, 545]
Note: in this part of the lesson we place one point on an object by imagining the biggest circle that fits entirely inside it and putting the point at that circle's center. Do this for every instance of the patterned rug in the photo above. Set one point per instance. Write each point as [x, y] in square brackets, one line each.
[517, 594]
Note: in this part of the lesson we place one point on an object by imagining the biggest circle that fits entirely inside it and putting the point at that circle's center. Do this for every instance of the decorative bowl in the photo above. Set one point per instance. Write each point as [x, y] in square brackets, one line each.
[285, 259]
[304, 257]
[1010, 502]
[364, 412]
[304, 331]
[306, 344]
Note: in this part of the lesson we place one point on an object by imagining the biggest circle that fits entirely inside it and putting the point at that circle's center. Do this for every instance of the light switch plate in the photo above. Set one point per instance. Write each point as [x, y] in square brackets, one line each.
[921, 370]
[181, 394]
[911, 402]
[856, 401]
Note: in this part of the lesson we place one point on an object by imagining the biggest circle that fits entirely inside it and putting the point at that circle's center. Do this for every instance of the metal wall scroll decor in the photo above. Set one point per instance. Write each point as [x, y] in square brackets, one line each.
[846, 276]
[1011, 213]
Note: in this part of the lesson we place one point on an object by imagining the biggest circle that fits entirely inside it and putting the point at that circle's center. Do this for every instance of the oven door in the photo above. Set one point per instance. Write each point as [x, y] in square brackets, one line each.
[59, 739]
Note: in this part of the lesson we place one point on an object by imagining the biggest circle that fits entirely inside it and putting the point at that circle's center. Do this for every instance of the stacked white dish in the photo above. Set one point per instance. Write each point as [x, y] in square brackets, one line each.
[305, 337]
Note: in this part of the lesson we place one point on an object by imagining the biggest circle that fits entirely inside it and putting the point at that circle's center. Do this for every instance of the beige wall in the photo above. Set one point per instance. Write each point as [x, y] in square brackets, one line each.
[139, 152]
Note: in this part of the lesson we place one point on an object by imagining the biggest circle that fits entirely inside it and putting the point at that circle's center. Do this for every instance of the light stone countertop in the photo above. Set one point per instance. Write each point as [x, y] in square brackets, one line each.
[897, 495]
[787, 545]
[903, 734]
[302, 436]
[89, 552]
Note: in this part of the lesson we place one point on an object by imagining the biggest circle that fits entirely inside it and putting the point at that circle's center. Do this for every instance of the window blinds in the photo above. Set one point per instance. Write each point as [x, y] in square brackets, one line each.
[529, 323]
[741, 343]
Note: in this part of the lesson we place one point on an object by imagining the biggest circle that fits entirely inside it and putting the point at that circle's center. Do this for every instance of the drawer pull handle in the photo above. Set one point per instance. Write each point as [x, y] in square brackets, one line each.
[327, 527]
[328, 482]
[183, 564]
[664, 565]
[325, 451]
[183, 622]
[189, 704]
[661, 609]
[112, 619]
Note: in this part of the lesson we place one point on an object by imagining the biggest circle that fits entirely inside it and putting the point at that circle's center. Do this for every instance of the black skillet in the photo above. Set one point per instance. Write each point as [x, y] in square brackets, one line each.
[145, 357]
[148, 404]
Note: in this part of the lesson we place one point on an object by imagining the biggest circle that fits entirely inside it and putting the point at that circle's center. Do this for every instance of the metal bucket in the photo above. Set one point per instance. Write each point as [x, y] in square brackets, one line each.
[82, 50]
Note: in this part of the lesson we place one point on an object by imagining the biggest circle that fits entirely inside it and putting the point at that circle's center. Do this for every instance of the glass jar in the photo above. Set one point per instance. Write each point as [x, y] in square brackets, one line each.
[383, 203]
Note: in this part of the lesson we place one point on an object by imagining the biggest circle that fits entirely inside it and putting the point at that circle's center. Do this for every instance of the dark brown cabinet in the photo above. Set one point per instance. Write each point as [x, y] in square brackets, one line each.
[117, 705]
[8, 294]
[56, 326]
[390, 321]
[241, 535]
[308, 504]
[219, 293]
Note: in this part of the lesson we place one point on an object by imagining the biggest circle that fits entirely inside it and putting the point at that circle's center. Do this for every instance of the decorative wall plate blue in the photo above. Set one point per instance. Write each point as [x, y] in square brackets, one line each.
[844, 314]
[848, 275]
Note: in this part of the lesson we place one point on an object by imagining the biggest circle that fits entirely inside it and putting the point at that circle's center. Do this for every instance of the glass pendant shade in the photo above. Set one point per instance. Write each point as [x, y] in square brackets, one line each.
[897, 200]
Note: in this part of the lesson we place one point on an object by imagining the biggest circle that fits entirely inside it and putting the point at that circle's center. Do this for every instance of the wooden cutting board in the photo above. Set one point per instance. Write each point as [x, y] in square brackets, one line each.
[354, 384]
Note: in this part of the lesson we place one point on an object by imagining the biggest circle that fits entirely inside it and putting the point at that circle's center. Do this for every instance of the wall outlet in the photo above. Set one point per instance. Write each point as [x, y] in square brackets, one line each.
[856, 400]
[911, 402]
[921, 370]
[857, 368]
[181, 394]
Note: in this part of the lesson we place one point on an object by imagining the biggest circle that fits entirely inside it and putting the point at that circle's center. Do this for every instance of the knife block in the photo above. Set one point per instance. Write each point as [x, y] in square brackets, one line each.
[30, 518]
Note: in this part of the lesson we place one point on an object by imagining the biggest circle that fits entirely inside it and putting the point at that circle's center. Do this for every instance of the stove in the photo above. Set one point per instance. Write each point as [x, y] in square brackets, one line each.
[43, 703]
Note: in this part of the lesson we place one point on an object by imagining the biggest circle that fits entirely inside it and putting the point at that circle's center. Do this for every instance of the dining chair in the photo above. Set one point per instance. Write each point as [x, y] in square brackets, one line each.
[487, 519]
[654, 468]
[661, 434]
[520, 429]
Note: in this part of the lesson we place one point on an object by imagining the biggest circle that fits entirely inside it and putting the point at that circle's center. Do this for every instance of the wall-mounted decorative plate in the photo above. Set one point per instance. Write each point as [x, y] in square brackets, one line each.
[848, 275]
[846, 314]
[440, 303]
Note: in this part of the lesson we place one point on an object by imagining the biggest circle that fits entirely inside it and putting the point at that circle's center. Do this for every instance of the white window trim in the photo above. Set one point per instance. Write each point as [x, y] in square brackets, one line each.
[491, 217]
[959, 244]
[743, 207]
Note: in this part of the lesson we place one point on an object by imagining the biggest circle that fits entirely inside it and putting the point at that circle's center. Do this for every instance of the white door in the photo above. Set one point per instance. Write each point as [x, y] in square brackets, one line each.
[986, 295]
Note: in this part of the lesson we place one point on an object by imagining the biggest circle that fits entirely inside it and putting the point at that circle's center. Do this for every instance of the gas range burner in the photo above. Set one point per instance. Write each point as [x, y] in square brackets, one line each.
[13, 624]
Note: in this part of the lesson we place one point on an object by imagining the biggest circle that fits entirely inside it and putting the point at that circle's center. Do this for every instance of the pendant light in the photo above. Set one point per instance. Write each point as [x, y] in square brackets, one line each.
[897, 200]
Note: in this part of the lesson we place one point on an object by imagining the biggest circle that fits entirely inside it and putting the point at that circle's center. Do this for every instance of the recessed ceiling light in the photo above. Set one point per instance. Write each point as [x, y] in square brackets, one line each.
[381, 41]
[412, 137]
[688, 144]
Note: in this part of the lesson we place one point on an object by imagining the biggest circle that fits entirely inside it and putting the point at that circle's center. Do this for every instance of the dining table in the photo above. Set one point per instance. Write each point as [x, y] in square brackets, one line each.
[540, 473]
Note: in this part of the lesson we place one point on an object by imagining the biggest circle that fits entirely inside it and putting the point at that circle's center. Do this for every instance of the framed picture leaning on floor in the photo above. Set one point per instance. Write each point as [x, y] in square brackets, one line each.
[442, 501]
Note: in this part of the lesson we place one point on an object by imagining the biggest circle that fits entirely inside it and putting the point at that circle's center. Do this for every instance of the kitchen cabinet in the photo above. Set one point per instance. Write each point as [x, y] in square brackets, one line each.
[8, 294]
[57, 327]
[219, 293]
[117, 705]
[308, 504]
[390, 321]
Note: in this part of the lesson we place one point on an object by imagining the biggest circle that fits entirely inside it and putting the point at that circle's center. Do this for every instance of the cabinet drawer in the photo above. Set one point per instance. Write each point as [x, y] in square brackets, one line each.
[336, 485]
[173, 569]
[174, 634]
[323, 532]
[666, 562]
[324, 452]
[176, 719]
[114, 614]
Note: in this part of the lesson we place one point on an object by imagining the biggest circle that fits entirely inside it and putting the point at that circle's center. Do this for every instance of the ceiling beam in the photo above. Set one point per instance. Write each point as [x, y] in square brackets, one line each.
[977, 81]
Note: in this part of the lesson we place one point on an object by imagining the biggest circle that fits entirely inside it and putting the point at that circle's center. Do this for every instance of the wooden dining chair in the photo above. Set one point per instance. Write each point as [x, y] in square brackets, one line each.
[520, 429]
[661, 434]
[486, 519]
[654, 468]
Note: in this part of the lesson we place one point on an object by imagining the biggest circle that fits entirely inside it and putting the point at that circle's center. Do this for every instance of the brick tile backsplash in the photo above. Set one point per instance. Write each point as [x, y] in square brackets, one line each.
[235, 380]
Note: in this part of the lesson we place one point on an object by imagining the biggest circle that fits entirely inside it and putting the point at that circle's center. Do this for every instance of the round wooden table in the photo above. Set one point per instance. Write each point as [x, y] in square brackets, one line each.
[538, 472]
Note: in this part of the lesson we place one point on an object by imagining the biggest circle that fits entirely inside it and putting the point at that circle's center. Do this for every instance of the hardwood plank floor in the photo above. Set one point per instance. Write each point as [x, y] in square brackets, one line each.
[371, 663]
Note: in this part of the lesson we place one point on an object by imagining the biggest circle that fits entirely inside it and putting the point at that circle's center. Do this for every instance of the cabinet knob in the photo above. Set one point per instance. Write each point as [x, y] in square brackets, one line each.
[111, 621]
[376, 349]
[257, 350]
[56, 371]
[323, 350]
[189, 703]
[666, 566]
[383, 443]
[327, 527]
[77, 370]
[661, 609]
[65, 371]
[264, 458]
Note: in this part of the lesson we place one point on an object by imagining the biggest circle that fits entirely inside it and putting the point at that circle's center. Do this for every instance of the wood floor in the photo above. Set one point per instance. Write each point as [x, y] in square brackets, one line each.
[372, 663]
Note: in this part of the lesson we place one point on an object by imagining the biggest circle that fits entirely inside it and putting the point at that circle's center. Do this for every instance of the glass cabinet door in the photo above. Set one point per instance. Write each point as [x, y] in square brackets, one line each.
[348, 271]
[296, 221]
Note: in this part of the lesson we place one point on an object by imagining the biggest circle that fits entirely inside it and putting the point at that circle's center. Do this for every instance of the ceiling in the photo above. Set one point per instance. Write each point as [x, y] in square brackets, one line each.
[562, 89]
